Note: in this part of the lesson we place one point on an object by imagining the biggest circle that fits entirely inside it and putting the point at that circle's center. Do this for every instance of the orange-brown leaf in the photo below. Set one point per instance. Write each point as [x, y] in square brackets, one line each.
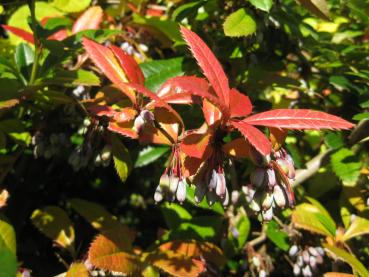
[238, 148]
[196, 249]
[197, 145]
[89, 20]
[111, 251]
[176, 264]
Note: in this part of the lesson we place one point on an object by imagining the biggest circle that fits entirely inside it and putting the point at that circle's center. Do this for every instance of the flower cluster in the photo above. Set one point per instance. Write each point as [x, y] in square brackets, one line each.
[269, 186]
[306, 260]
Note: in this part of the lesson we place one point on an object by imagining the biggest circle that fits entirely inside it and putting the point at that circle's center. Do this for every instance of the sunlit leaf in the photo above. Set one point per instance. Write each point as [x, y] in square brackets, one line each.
[176, 264]
[277, 236]
[360, 226]
[240, 104]
[110, 251]
[346, 166]
[54, 223]
[309, 217]
[90, 19]
[174, 214]
[71, 6]
[150, 154]
[77, 270]
[298, 119]
[121, 157]
[239, 23]
[263, 5]
[7, 235]
[341, 254]
[209, 64]
[196, 249]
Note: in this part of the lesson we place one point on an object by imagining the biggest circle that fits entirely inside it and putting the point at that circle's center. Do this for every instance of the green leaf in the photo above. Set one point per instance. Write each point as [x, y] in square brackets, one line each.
[264, 5]
[72, 78]
[174, 214]
[7, 235]
[52, 97]
[8, 263]
[311, 218]
[23, 55]
[277, 236]
[186, 10]
[20, 16]
[77, 270]
[316, 7]
[54, 223]
[334, 140]
[95, 214]
[346, 166]
[150, 154]
[158, 71]
[243, 228]
[15, 130]
[360, 226]
[168, 27]
[239, 23]
[361, 116]
[121, 157]
[341, 254]
[71, 6]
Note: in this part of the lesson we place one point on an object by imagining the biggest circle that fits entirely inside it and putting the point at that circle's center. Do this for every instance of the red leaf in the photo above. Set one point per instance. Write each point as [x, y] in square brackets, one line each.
[59, 35]
[298, 119]
[173, 92]
[102, 110]
[197, 145]
[124, 129]
[254, 136]
[106, 61]
[129, 65]
[196, 87]
[211, 113]
[27, 36]
[240, 104]
[89, 20]
[238, 148]
[209, 64]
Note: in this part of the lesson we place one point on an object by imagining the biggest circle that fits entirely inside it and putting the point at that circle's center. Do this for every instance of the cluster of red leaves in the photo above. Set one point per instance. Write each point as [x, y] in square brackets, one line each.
[197, 154]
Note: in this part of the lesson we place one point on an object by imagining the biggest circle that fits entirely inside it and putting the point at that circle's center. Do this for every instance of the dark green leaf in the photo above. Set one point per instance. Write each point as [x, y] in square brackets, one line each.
[345, 165]
[174, 214]
[158, 71]
[361, 116]
[334, 140]
[72, 78]
[23, 55]
[8, 263]
[150, 154]
[277, 236]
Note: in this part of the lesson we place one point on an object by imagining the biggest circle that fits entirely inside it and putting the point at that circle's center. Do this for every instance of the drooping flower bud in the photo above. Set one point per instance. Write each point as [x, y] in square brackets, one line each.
[267, 200]
[173, 183]
[106, 153]
[213, 180]
[257, 177]
[312, 262]
[147, 116]
[293, 251]
[305, 256]
[268, 214]
[271, 178]
[158, 195]
[306, 271]
[249, 192]
[296, 269]
[181, 191]
[279, 196]
[234, 196]
[221, 185]
[138, 124]
[313, 251]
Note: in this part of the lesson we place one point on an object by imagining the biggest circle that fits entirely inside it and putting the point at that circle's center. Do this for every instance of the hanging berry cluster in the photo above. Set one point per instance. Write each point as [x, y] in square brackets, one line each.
[198, 156]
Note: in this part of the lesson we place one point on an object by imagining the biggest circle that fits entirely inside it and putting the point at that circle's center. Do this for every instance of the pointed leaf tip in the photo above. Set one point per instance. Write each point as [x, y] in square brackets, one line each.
[209, 64]
[298, 119]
